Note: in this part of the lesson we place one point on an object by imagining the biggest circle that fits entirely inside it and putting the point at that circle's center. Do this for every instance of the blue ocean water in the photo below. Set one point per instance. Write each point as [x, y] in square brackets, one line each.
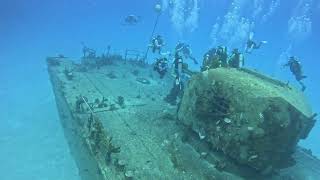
[31, 140]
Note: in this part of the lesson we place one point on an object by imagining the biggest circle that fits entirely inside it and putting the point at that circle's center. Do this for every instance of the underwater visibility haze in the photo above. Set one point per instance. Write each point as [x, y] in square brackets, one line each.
[137, 71]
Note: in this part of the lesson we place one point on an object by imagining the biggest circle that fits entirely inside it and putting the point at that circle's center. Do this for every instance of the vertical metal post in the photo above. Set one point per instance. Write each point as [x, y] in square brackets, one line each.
[152, 34]
[125, 56]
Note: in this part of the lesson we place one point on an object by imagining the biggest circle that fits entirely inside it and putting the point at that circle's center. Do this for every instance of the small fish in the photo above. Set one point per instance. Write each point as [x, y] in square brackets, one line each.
[131, 20]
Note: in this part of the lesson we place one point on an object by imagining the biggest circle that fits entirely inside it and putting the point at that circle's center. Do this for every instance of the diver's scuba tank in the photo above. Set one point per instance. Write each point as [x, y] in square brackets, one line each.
[177, 64]
[241, 60]
[178, 82]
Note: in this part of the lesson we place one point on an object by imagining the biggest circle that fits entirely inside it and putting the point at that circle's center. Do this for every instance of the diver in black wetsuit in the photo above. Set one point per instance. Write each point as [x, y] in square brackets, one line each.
[215, 58]
[175, 92]
[157, 43]
[296, 69]
[161, 66]
[186, 51]
[251, 44]
[209, 59]
[177, 89]
[222, 56]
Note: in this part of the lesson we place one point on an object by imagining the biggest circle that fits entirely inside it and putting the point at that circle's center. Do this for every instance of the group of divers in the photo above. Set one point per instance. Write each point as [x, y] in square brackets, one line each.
[213, 58]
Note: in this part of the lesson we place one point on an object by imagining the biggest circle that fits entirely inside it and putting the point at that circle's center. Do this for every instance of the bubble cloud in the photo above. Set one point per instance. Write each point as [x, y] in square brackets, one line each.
[184, 14]
[234, 28]
[300, 24]
[272, 8]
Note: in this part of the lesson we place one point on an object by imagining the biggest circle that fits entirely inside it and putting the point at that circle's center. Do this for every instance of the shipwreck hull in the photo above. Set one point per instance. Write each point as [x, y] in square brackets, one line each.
[118, 127]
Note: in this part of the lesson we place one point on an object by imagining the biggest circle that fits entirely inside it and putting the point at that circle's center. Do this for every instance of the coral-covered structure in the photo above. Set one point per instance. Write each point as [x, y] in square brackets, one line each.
[253, 119]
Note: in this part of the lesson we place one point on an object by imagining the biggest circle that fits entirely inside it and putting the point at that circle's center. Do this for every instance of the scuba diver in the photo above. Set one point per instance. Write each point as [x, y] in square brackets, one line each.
[186, 51]
[222, 56]
[209, 60]
[175, 92]
[157, 43]
[88, 52]
[131, 20]
[178, 64]
[215, 58]
[181, 73]
[236, 60]
[161, 66]
[253, 45]
[296, 69]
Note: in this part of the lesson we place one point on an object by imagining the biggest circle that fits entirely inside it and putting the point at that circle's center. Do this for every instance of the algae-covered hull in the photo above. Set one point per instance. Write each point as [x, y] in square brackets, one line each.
[118, 127]
[255, 120]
